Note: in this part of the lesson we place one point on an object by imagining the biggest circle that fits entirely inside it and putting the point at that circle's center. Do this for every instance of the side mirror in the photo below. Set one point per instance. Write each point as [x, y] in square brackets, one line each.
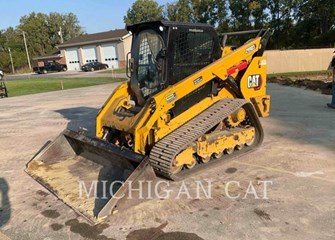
[129, 65]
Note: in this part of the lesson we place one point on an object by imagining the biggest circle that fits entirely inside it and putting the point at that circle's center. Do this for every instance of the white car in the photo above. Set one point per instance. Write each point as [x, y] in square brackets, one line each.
[1, 74]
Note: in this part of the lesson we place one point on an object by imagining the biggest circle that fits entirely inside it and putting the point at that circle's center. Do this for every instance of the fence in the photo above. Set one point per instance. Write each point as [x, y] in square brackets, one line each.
[282, 61]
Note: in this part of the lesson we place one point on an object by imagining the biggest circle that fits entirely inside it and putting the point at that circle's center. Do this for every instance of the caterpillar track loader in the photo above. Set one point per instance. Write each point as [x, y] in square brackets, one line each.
[189, 102]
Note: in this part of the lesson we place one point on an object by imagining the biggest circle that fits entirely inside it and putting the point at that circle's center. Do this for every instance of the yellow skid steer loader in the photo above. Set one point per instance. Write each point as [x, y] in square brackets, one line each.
[189, 102]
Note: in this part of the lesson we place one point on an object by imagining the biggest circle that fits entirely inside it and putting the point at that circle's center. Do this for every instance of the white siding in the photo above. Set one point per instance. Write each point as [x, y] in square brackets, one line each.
[89, 54]
[72, 59]
[109, 55]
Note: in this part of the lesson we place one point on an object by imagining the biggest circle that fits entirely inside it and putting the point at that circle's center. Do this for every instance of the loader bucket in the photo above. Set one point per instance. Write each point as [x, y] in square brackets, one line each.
[93, 177]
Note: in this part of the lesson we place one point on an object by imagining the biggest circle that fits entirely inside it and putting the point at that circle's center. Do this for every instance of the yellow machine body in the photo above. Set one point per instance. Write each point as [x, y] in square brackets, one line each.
[147, 128]
[156, 124]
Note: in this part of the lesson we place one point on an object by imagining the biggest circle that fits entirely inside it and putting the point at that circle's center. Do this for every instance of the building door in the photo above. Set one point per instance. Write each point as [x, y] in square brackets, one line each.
[109, 55]
[90, 54]
[72, 59]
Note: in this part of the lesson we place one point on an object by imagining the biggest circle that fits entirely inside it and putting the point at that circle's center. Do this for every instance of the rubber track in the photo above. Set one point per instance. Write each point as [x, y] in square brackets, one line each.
[165, 151]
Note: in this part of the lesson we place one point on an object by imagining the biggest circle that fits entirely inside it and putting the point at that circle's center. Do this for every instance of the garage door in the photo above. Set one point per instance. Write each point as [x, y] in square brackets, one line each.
[109, 55]
[72, 59]
[90, 54]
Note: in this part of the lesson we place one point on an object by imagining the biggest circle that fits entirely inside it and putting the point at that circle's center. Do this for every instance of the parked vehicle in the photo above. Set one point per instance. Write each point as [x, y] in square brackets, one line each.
[50, 67]
[92, 66]
[1, 74]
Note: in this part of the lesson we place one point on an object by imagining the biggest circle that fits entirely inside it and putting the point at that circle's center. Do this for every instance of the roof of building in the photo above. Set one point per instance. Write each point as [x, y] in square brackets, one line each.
[49, 56]
[95, 38]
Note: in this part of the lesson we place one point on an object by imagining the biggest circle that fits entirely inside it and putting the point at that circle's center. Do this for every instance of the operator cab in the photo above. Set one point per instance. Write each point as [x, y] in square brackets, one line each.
[163, 53]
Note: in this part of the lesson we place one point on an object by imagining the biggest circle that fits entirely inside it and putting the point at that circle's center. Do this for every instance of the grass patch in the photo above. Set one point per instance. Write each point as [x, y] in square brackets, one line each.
[118, 70]
[299, 74]
[40, 85]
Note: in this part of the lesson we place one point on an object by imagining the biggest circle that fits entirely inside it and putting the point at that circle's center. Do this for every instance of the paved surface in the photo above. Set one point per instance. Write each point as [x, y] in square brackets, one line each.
[69, 74]
[298, 156]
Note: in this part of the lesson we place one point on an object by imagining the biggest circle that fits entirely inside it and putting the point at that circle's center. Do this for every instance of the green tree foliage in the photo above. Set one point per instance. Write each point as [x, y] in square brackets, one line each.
[143, 10]
[42, 30]
[11, 39]
[282, 17]
[42, 36]
[296, 23]
[315, 23]
[180, 11]
[240, 14]
[259, 16]
[204, 11]
[35, 25]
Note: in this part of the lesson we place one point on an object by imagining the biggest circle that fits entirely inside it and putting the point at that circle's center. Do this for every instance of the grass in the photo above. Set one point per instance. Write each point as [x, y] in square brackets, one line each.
[118, 70]
[297, 74]
[40, 85]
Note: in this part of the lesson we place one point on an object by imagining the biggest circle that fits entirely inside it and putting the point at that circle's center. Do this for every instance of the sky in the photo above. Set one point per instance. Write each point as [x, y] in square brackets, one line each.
[93, 15]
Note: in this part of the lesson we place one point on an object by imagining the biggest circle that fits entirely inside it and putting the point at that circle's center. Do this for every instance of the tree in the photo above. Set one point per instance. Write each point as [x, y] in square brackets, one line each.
[222, 16]
[143, 10]
[67, 23]
[207, 11]
[71, 27]
[315, 23]
[282, 16]
[11, 39]
[259, 15]
[212, 12]
[180, 11]
[35, 25]
[41, 32]
[240, 14]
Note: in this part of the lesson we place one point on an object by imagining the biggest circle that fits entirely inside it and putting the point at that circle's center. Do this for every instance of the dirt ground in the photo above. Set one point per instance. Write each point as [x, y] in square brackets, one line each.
[320, 83]
[298, 156]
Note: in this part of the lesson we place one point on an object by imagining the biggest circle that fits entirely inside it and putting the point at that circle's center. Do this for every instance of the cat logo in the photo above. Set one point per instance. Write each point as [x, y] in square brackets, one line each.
[254, 81]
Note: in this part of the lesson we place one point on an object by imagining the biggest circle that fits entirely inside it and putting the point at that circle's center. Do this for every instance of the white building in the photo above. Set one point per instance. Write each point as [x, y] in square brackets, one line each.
[107, 47]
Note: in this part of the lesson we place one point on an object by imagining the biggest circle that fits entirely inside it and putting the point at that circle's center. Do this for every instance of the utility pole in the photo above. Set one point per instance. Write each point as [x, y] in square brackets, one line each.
[61, 35]
[11, 60]
[25, 44]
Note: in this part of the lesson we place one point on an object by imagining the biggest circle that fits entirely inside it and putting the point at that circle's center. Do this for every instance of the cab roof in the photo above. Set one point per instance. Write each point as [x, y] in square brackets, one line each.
[168, 24]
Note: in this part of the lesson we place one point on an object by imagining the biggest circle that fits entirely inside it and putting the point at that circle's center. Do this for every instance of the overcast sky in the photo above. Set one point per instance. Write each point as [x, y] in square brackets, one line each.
[94, 15]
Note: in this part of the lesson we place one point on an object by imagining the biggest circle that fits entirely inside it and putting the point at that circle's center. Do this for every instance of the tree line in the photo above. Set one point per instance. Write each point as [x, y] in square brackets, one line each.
[296, 23]
[42, 32]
